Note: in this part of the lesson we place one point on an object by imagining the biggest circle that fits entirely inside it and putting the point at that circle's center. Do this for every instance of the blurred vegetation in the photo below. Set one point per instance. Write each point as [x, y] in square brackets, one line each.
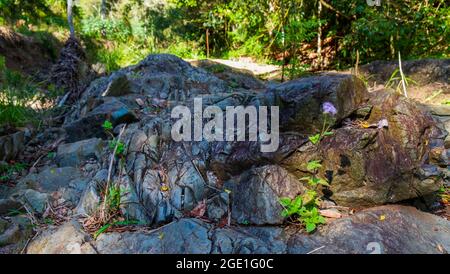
[118, 33]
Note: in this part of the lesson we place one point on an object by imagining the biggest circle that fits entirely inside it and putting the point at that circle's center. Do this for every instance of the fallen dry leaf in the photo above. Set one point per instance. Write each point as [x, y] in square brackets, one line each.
[330, 213]
[199, 210]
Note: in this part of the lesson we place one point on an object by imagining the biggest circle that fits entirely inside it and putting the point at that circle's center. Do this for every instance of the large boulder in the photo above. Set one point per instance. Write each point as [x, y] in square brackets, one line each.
[256, 193]
[380, 230]
[186, 236]
[301, 100]
[372, 164]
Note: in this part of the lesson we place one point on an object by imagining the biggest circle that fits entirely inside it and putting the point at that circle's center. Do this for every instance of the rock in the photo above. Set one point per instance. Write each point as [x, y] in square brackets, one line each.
[217, 206]
[50, 179]
[251, 240]
[235, 78]
[119, 86]
[11, 145]
[8, 205]
[389, 229]
[301, 101]
[14, 234]
[187, 186]
[374, 166]
[90, 124]
[90, 200]
[439, 110]
[131, 207]
[255, 194]
[37, 200]
[74, 154]
[186, 236]
[66, 239]
[422, 71]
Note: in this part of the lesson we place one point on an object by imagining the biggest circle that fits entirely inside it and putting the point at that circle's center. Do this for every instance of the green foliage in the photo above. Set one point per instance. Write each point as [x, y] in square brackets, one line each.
[16, 92]
[8, 170]
[395, 81]
[107, 125]
[120, 147]
[303, 209]
[120, 150]
[314, 139]
[313, 165]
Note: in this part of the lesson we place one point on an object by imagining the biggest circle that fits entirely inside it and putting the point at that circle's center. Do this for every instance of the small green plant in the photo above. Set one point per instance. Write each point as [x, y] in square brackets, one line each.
[395, 81]
[120, 147]
[107, 125]
[446, 102]
[314, 180]
[328, 111]
[303, 209]
[8, 170]
[120, 150]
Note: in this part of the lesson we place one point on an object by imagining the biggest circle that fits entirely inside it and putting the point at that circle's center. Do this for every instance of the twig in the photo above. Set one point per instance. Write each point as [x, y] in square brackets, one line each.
[64, 99]
[314, 250]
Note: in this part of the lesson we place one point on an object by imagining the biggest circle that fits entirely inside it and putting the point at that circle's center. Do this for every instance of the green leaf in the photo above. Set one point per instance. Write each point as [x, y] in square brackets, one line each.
[308, 197]
[313, 165]
[101, 230]
[310, 227]
[107, 125]
[297, 202]
[314, 139]
[285, 201]
[327, 133]
[323, 182]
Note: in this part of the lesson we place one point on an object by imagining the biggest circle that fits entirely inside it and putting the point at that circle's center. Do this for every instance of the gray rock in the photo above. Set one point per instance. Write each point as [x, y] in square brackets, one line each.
[74, 154]
[187, 186]
[186, 236]
[90, 124]
[8, 205]
[217, 206]
[11, 145]
[90, 200]
[404, 230]
[66, 239]
[256, 193]
[37, 200]
[50, 179]
[119, 86]
[440, 110]
[251, 240]
[301, 100]
[14, 234]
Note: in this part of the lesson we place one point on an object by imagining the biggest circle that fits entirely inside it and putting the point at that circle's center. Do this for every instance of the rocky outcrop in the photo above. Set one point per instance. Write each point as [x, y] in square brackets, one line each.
[422, 71]
[382, 230]
[370, 165]
[220, 197]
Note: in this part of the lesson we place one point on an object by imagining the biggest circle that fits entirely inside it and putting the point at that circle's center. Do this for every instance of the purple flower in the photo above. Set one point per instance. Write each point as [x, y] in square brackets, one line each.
[328, 108]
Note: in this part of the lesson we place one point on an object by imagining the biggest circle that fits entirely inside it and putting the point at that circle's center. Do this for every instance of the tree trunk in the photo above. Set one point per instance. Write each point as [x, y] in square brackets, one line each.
[207, 43]
[319, 36]
[70, 18]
